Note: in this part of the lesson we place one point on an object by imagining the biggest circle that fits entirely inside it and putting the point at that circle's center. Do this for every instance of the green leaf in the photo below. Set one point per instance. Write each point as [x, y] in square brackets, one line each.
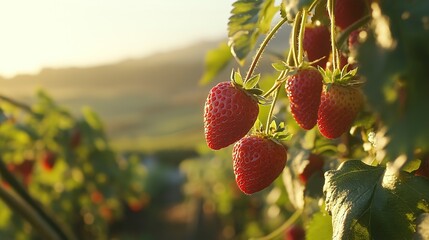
[252, 82]
[374, 203]
[249, 19]
[216, 60]
[292, 7]
[394, 60]
[236, 77]
[279, 66]
[320, 227]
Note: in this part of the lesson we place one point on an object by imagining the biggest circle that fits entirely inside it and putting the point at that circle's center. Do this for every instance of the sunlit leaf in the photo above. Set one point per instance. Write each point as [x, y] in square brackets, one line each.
[249, 19]
[216, 60]
[373, 203]
[320, 227]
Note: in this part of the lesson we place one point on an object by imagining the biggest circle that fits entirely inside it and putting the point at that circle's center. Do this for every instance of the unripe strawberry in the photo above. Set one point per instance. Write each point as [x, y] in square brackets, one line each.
[258, 161]
[304, 89]
[229, 114]
[339, 106]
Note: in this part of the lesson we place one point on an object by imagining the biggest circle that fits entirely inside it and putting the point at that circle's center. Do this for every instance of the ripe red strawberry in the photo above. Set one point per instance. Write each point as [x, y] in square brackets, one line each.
[348, 12]
[339, 106]
[317, 44]
[315, 164]
[48, 160]
[295, 232]
[258, 161]
[304, 89]
[229, 113]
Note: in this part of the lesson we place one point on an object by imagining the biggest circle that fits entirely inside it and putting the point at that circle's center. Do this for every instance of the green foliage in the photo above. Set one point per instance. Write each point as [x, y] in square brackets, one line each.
[374, 203]
[87, 184]
[249, 19]
[320, 227]
[377, 197]
[394, 60]
[216, 60]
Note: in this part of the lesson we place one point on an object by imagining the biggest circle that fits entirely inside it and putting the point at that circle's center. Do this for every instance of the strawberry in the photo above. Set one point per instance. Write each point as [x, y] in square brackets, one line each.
[347, 12]
[339, 106]
[229, 113]
[317, 44]
[258, 160]
[304, 89]
[314, 165]
[48, 160]
[294, 232]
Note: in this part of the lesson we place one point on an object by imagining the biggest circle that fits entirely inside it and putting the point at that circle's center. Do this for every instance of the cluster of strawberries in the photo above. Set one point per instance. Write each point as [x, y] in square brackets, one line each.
[231, 109]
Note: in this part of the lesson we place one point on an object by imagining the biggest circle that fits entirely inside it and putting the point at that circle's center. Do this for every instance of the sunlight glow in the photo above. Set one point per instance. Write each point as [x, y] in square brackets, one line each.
[53, 33]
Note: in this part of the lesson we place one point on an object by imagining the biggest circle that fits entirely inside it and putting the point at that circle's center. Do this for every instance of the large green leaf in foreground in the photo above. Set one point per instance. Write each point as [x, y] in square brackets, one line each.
[373, 203]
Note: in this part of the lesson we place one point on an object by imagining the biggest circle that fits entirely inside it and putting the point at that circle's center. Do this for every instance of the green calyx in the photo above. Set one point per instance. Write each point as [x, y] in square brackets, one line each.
[341, 76]
[250, 86]
[274, 131]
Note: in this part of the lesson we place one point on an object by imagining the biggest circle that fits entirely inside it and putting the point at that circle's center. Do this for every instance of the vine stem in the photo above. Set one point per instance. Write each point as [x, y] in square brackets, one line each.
[292, 219]
[294, 37]
[335, 60]
[34, 206]
[270, 113]
[262, 48]
[301, 37]
[18, 205]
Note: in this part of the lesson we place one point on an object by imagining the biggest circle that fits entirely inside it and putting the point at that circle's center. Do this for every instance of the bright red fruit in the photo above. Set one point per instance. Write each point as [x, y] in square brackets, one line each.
[317, 44]
[339, 106]
[304, 89]
[315, 164]
[48, 160]
[257, 161]
[295, 232]
[229, 113]
[348, 12]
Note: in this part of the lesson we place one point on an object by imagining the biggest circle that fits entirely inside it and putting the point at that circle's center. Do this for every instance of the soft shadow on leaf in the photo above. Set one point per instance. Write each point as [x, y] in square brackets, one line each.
[372, 203]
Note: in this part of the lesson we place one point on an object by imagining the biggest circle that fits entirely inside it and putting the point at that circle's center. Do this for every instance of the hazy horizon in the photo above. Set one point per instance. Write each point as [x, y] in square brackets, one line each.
[57, 34]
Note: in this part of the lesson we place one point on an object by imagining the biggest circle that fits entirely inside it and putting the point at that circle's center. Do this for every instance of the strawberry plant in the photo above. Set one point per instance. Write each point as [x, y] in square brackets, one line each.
[369, 104]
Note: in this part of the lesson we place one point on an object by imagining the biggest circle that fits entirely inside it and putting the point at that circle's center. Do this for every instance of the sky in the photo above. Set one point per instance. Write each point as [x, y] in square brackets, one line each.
[64, 33]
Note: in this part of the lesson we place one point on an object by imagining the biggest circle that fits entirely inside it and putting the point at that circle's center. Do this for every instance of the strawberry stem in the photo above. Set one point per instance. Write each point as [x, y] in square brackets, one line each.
[301, 37]
[270, 113]
[262, 48]
[293, 42]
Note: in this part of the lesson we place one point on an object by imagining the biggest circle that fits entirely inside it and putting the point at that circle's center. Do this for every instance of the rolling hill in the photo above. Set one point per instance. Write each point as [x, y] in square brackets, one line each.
[149, 103]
